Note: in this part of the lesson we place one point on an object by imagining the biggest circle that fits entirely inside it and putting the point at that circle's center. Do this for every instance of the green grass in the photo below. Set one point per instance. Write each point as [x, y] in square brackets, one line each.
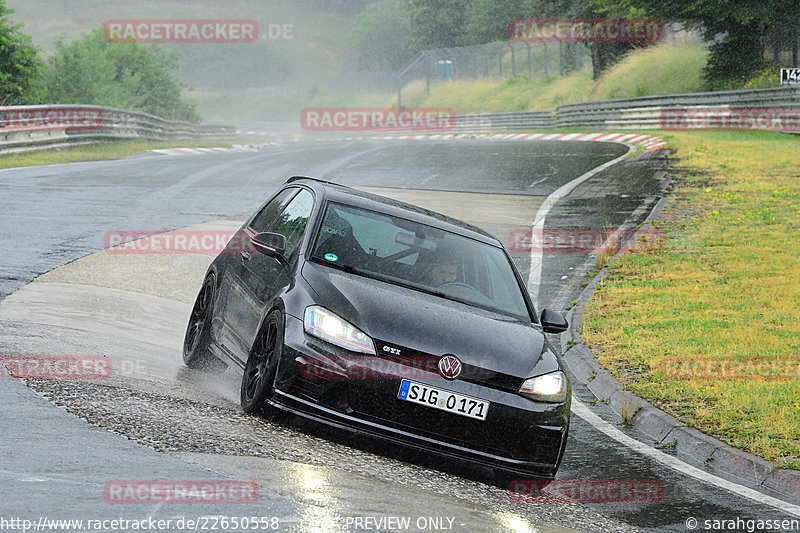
[705, 322]
[96, 152]
[667, 68]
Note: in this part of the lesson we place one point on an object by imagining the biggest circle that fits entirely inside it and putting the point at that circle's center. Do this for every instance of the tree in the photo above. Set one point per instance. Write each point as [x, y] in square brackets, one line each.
[92, 70]
[380, 36]
[736, 29]
[20, 64]
[436, 23]
[487, 20]
[604, 55]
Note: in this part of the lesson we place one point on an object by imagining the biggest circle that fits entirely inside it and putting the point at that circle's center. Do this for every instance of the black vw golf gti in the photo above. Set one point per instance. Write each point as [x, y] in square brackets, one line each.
[385, 319]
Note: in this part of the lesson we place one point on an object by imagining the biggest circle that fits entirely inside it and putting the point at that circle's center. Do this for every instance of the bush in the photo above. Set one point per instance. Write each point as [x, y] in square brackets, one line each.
[20, 64]
[92, 70]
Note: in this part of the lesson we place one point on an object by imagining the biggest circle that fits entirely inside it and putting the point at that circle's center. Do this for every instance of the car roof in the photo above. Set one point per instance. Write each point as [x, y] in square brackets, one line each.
[339, 193]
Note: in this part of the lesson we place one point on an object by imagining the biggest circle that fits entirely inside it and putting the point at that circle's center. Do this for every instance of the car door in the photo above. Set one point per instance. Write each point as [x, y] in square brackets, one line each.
[263, 276]
[234, 298]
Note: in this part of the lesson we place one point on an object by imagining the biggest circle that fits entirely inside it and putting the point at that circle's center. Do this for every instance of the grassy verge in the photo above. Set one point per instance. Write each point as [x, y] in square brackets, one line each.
[96, 152]
[671, 67]
[705, 322]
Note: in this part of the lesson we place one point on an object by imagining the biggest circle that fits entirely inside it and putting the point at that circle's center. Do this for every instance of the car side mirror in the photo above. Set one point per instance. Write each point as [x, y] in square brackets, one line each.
[272, 244]
[553, 321]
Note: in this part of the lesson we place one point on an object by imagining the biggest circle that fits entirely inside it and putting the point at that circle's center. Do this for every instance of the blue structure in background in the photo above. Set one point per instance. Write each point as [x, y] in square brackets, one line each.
[444, 69]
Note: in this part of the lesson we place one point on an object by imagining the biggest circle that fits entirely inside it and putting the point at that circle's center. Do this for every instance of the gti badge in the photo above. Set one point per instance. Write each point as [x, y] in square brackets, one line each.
[449, 367]
[389, 349]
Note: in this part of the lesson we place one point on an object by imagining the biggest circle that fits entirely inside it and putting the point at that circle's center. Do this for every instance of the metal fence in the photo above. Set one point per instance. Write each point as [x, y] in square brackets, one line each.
[26, 128]
[495, 60]
[503, 59]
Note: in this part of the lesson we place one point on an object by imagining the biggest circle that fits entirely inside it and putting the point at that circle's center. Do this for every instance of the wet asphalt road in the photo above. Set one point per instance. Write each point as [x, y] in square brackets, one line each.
[54, 215]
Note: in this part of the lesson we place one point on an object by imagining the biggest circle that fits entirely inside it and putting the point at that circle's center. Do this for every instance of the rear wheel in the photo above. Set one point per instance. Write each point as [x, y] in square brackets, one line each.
[196, 353]
[259, 373]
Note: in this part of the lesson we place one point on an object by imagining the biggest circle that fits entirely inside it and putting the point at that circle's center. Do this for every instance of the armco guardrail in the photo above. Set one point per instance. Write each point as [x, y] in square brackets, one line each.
[37, 127]
[26, 128]
[646, 112]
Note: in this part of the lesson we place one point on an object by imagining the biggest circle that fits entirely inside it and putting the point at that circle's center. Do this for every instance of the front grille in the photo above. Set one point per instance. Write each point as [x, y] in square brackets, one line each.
[469, 373]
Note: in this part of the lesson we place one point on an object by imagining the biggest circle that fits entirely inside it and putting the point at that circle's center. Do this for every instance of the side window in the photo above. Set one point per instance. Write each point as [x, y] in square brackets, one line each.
[264, 219]
[504, 295]
[292, 221]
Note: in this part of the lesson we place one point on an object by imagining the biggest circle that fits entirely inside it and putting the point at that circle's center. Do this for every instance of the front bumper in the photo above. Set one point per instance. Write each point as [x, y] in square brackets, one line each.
[518, 435]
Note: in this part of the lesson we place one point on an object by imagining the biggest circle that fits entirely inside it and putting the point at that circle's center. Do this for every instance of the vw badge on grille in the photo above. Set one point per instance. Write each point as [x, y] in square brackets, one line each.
[449, 367]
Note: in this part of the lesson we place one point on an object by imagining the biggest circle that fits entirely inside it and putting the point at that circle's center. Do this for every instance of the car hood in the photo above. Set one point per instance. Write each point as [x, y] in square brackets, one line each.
[430, 324]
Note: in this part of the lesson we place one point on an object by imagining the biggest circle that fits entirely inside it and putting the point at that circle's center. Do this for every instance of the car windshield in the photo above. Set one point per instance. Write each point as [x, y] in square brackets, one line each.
[420, 257]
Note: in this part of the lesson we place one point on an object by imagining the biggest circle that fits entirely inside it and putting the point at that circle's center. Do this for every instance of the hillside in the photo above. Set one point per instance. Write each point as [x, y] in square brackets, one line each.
[316, 44]
[274, 78]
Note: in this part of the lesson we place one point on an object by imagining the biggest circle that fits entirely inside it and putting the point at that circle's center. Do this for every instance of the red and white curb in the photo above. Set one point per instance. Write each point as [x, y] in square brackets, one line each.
[261, 133]
[648, 142]
[195, 151]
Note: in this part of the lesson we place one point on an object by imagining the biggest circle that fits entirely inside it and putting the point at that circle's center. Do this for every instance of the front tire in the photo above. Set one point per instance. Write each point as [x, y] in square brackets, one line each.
[196, 353]
[259, 373]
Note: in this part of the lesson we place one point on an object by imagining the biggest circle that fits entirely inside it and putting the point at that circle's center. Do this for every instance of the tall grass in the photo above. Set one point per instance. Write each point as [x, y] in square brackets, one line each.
[670, 67]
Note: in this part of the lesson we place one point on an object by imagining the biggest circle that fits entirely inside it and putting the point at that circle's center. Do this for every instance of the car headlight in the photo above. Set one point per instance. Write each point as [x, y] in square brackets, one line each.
[329, 327]
[550, 387]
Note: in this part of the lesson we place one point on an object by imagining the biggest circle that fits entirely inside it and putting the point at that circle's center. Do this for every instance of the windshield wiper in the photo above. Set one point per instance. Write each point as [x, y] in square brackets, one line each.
[340, 266]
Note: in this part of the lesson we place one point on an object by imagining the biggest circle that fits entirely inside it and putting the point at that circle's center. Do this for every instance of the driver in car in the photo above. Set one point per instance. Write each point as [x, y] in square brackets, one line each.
[444, 270]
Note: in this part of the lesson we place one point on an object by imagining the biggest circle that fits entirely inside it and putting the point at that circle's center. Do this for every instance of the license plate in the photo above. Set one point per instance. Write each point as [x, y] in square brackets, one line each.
[445, 400]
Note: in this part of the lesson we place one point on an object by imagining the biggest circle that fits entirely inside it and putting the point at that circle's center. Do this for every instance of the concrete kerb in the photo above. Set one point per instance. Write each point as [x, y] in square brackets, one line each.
[662, 430]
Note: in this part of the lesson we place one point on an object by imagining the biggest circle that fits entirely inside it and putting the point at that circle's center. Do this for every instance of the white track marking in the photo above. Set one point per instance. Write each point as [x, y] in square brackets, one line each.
[599, 424]
[580, 409]
[535, 272]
